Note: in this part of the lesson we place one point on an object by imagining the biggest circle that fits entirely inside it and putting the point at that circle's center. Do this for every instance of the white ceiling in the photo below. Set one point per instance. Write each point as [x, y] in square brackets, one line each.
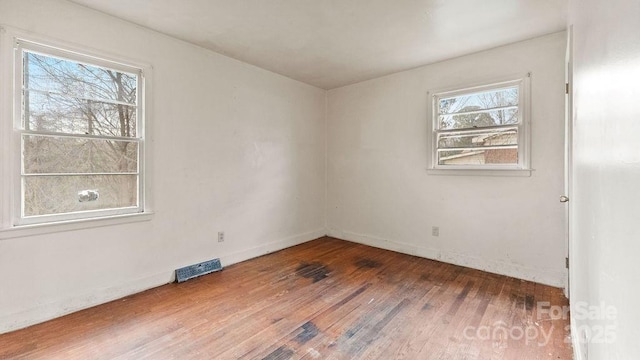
[330, 43]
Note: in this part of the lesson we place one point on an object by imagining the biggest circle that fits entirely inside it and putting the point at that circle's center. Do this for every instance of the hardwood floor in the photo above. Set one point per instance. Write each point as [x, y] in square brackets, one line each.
[325, 299]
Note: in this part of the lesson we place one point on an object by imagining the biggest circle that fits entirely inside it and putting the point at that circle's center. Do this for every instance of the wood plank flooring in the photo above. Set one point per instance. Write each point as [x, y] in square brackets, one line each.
[325, 299]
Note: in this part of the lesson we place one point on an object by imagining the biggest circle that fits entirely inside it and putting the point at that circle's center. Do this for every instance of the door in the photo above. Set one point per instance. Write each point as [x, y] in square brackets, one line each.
[568, 148]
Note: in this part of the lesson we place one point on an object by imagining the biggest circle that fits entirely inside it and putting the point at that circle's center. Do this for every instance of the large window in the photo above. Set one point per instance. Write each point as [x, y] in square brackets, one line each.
[482, 127]
[79, 121]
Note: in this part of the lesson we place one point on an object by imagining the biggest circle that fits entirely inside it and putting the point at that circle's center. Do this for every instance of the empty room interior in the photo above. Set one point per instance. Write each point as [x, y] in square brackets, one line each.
[297, 179]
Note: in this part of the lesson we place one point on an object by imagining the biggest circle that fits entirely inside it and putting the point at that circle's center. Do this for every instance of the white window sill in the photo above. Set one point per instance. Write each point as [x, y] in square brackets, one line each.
[481, 172]
[70, 225]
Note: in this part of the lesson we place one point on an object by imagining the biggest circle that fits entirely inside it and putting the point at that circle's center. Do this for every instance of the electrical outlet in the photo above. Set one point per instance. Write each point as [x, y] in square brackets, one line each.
[221, 236]
[435, 231]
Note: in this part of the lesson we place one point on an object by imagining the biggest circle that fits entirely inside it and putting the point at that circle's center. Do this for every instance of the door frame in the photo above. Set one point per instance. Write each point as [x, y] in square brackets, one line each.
[568, 156]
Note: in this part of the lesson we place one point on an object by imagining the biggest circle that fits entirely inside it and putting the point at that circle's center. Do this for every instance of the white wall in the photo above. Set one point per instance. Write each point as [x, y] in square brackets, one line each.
[380, 194]
[606, 200]
[235, 148]
[240, 149]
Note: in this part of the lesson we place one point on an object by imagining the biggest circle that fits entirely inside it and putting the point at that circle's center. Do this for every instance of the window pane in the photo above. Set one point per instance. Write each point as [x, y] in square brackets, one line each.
[478, 119]
[45, 195]
[49, 154]
[64, 114]
[479, 101]
[478, 157]
[496, 137]
[76, 79]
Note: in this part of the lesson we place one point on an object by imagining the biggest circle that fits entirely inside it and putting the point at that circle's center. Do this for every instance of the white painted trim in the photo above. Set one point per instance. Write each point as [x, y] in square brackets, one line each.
[270, 247]
[552, 278]
[523, 82]
[81, 49]
[55, 309]
[11, 208]
[6, 118]
[70, 225]
[568, 161]
[478, 172]
[575, 341]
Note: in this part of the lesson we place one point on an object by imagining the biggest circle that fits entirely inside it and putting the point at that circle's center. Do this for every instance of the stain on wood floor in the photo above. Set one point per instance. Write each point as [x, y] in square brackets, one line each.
[325, 299]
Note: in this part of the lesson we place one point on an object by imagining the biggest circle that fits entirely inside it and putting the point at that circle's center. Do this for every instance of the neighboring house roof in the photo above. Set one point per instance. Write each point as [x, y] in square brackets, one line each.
[471, 153]
[485, 139]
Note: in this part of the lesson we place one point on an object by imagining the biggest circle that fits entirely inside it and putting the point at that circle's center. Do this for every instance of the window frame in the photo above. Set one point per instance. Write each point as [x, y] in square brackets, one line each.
[12, 43]
[523, 167]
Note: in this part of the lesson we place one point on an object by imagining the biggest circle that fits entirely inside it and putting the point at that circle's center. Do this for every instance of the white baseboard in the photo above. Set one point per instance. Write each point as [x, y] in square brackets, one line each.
[547, 277]
[68, 305]
[65, 306]
[579, 348]
[72, 304]
[270, 247]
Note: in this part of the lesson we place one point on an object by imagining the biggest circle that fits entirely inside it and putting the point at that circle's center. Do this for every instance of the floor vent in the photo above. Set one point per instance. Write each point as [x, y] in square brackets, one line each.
[203, 268]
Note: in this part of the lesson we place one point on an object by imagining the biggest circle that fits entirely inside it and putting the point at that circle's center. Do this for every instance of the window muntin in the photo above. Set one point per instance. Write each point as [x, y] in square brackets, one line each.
[81, 144]
[481, 127]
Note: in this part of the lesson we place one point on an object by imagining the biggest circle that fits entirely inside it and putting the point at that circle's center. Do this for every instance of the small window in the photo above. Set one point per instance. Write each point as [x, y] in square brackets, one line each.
[481, 127]
[80, 128]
